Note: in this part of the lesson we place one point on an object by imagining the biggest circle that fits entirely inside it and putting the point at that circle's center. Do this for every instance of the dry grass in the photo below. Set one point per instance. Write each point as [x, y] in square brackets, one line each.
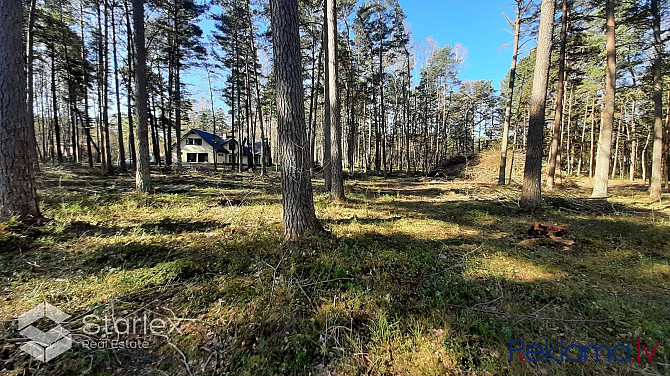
[416, 276]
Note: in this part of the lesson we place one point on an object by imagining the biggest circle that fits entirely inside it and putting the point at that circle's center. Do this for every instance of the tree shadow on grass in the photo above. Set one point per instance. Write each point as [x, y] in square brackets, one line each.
[268, 309]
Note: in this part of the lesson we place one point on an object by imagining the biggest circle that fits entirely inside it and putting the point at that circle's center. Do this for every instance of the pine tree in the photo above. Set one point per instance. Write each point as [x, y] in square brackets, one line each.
[298, 214]
[605, 139]
[531, 196]
[18, 195]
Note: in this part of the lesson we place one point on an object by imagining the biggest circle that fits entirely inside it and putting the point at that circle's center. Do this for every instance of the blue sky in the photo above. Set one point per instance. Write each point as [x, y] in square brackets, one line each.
[478, 25]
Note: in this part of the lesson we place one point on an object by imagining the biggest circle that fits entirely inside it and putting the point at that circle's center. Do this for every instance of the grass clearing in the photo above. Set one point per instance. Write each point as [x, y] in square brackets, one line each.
[416, 276]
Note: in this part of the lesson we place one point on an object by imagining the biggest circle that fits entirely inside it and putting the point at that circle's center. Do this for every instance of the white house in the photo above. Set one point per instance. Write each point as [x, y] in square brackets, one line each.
[198, 147]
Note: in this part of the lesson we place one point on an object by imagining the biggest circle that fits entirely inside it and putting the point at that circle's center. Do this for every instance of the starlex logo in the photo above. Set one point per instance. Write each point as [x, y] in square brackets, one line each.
[577, 353]
[44, 346]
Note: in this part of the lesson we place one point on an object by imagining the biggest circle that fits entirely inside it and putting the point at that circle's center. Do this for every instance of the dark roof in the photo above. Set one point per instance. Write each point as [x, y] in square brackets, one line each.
[218, 142]
[215, 141]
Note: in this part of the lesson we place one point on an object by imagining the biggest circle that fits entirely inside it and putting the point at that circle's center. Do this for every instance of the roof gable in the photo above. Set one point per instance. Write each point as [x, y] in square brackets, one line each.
[215, 141]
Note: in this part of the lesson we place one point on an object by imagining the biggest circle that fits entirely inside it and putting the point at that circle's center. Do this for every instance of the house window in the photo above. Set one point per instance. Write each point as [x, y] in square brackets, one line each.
[203, 157]
[193, 141]
[191, 157]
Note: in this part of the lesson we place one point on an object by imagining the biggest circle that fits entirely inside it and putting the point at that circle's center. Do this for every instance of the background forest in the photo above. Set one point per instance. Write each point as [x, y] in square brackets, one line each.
[403, 220]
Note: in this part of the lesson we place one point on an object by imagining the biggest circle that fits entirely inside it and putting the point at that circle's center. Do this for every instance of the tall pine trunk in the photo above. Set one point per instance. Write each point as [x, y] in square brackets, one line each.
[531, 195]
[655, 188]
[117, 84]
[312, 101]
[633, 144]
[298, 203]
[30, 54]
[129, 91]
[510, 95]
[142, 176]
[327, 118]
[605, 139]
[259, 105]
[109, 168]
[18, 195]
[54, 102]
[177, 82]
[555, 149]
[86, 121]
[333, 102]
[211, 101]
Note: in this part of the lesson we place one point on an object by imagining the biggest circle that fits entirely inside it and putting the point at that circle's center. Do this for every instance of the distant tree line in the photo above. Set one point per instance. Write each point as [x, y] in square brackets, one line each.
[104, 85]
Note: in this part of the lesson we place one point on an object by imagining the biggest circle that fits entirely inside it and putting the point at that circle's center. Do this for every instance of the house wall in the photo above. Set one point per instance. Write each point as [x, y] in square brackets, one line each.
[204, 148]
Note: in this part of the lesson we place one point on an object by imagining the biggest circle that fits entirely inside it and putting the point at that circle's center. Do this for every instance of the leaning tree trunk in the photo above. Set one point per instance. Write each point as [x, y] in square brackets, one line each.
[18, 195]
[298, 204]
[655, 188]
[556, 136]
[531, 195]
[605, 138]
[143, 176]
[337, 180]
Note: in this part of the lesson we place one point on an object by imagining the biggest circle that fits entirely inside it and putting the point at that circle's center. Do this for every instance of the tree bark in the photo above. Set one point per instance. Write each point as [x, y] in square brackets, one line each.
[313, 100]
[555, 149]
[86, 121]
[259, 104]
[531, 195]
[510, 95]
[129, 90]
[327, 118]
[108, 167]
[592, 153]
[569, 152]
[655, 188]
[142, 176]
[616, 150]
[605, 139]
[337, 180]
[211, 102]
[18, 195]
[298, 205]
[666, 146]
[177, 83]
[54, 102]
[117, 84]
[633, 144]
[30, 54]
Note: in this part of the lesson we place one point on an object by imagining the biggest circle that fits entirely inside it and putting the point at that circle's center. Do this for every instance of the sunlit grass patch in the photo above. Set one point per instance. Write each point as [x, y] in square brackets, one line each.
[412, 276]
[512, 268]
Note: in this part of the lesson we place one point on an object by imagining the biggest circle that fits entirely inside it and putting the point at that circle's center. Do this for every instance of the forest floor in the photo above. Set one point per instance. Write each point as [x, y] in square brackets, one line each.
[415, 276]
